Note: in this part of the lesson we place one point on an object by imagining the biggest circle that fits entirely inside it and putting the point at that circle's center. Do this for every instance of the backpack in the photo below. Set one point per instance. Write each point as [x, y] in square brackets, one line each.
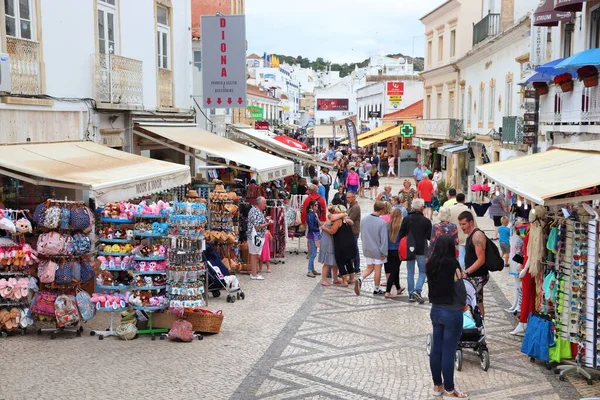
[81, 244]
[80, 219]
[51, 243]
[64, 274]
[66, 311]
[65, 218]
[46, 271]
[85, 305]
[43, 304]
[39, 214]
[181, 331]
[87, 271]
[52, 217]
[407, 246]
[493, 259]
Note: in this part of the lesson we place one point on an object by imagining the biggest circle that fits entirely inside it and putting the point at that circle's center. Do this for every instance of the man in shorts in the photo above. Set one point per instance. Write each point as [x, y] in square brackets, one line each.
[476, 269]
[425, 191]
[257, 228]
[374, 233]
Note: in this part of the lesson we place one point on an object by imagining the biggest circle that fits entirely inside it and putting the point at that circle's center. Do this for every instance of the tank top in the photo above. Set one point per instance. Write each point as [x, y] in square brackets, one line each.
[471, 256]
[344, 244]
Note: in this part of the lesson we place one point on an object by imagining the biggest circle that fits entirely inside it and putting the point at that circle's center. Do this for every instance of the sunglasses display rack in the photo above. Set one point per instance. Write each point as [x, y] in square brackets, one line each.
[16, 285]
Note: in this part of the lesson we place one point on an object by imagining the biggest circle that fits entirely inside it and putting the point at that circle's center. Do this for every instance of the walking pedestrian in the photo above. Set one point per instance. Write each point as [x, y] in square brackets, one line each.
[425, 191]
[256, 231]
[476, 269]
[326, 180]
[455, 211]
[352, 181]
[396, 204]
[340, 197]
[354, 213]
[418, 173]
[391, 162]
[497, 211]
[373, 181]
[417, 228]
[362, 173]
[392, 266]
[374, 234]
[313, 235]
[448, 295]
[407, 195]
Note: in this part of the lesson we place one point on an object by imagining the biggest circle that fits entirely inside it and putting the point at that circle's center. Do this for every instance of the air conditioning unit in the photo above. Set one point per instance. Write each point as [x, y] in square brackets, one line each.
[5, 73]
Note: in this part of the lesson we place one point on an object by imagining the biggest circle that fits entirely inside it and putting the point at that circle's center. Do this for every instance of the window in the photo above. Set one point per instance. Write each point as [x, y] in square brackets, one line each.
[481, 102]
[453, 43]
[213, 111]
[508, 97]
[107, 23]
[19, 18]
[163, 36]
[198, 59]
[595, 29]
[228, 111]
[440, 47]
[568, 29]
[451, 104]
[429, 51]
[438, 110]
[492, 108]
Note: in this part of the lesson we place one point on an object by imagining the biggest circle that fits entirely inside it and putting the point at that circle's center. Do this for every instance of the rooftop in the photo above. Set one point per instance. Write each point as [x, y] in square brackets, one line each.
[414, 111]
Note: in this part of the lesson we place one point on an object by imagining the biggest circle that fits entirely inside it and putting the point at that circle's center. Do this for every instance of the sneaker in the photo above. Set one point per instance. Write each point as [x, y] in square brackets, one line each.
[316, 273]
[411, 298]
[378, 291]
[357, 285]
[257, 277]
[311, 274]
[455, 394]
[418, 298]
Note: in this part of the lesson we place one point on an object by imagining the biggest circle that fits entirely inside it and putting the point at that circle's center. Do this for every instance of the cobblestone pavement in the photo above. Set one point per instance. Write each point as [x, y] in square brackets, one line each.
[290, 339]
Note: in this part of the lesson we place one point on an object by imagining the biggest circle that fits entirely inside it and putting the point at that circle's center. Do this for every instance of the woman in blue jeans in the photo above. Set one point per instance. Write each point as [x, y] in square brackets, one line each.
[313, 235]
[448, 295]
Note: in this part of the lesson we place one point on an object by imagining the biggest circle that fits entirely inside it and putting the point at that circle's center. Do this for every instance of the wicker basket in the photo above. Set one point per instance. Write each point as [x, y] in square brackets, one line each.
[205, 322]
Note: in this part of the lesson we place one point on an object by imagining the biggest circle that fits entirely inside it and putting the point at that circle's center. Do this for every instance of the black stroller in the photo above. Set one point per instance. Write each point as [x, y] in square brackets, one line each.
[470, 338]
[219, 277]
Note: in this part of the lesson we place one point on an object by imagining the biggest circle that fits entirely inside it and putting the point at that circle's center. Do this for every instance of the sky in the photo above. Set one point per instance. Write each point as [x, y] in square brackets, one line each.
[338, 30]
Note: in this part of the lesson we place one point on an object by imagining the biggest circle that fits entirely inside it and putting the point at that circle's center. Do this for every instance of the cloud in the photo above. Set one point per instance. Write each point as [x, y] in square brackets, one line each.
[338, 30]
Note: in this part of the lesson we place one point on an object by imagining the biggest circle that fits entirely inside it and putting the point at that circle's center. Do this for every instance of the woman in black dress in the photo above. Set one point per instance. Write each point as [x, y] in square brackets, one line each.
[344, 246]
[373, 181]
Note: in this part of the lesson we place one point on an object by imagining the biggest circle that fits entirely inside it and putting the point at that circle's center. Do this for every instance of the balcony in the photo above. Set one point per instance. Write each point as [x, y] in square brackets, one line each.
[578, 107]
[25, 66]
[489, 26]
[117, 82]
[512, 130]
[165, 88]
[448, 129]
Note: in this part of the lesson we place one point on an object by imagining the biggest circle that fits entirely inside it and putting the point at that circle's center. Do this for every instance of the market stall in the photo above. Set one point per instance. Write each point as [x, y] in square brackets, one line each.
[560, 281]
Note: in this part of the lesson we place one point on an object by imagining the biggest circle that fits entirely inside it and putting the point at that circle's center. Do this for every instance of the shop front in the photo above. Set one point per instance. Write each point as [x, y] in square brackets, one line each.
[454, 164]
[555, 243]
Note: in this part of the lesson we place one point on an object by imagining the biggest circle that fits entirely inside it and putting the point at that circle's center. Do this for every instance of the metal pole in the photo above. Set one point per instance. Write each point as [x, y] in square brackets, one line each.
[536, 120]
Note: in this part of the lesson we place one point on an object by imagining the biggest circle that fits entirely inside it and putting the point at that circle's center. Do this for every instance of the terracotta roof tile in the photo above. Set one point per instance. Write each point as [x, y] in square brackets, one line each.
[414, 110]
[253, 56]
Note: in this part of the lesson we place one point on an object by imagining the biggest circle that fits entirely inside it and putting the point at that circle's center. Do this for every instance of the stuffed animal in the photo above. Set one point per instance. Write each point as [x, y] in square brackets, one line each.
[135, 299]
[23, 225]
[148, 281]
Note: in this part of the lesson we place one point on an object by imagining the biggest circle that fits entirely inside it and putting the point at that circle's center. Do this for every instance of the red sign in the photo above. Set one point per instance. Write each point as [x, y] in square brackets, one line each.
[395, 88]
[261, 125]
[332, 105]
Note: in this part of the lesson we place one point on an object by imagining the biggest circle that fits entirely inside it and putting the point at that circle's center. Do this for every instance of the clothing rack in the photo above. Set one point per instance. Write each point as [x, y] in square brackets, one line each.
[278, 230]
[294, 232]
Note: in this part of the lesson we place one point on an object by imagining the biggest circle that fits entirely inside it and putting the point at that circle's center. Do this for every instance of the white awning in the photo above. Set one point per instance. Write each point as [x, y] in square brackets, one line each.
[429, 144]
[267, 166]
[456, 149]
[110, 175]
[261, 139]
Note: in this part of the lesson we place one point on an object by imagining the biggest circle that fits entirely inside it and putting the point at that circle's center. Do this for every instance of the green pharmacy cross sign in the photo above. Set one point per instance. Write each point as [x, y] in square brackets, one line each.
[255, 112]
[407, 130]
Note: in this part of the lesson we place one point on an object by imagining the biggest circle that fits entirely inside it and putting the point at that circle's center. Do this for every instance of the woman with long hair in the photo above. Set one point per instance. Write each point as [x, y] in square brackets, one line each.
[327, 250]
[407, 194]
[448, 296]
[392, 266]
[373, 181]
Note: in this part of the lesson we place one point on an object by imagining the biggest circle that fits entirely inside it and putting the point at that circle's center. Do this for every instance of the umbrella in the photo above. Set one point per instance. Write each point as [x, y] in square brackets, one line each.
[550, 69]
[291, 142]
[537, 77]
[581, 59]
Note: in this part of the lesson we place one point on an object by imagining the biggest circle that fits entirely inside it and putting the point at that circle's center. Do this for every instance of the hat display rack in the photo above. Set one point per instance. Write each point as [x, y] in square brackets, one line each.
[114, 261]
[64, 250]
[17, 258]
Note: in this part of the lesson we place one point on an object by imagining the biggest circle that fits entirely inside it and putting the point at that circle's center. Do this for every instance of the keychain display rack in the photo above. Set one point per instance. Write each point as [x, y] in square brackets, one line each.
[115, 255]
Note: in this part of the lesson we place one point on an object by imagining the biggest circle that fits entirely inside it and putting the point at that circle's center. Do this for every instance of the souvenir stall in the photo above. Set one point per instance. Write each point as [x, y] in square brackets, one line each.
[223, 224]
[17, 259]
[276, 210]
[559, 312]
[294, 221]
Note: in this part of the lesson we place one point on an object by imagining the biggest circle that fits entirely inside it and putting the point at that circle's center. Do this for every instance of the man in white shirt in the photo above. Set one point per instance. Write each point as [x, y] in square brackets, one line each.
[455, 211]
[325, 179]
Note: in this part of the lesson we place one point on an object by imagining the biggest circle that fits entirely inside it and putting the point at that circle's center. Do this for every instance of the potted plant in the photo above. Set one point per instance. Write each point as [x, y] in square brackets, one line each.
[541, 87]
[588, 75]
[443, 187]
[565, 81]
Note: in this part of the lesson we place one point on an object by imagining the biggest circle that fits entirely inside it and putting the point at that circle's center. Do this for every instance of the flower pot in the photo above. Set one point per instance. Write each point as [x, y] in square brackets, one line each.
[542, 90]
[590, 81]
[567, 86]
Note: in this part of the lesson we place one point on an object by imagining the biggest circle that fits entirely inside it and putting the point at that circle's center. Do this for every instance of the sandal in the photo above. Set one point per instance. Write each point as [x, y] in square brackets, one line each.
[437, 390]
[337, 283]
[388, 296]
[455, 394]
[343, 284]
[325, 283]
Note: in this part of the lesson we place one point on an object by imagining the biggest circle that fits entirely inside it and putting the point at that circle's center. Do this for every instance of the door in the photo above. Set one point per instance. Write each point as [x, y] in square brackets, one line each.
[407, 163]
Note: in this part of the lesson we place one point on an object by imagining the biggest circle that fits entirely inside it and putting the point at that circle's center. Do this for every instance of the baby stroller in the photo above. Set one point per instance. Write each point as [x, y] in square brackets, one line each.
[220, 278]
[470, 338]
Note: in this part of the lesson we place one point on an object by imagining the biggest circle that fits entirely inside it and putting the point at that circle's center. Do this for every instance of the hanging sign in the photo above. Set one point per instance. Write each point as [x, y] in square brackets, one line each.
[224, 61]
[529, 117]
[256, 112]
[529, 128]
[351, 128]
[528, 140]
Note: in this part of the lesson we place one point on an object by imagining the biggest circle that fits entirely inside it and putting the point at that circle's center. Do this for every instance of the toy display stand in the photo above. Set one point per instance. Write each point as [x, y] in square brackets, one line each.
[150, 238]
[113, 225]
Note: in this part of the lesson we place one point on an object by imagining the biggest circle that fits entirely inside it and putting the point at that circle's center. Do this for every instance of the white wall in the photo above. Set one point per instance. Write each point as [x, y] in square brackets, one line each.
[342, 90]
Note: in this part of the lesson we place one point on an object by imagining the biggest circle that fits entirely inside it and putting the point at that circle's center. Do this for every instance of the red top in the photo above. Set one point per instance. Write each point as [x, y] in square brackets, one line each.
[323, 207]
[425, 188]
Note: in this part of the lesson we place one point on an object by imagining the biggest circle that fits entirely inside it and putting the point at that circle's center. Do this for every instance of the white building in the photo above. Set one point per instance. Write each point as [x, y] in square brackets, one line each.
[335, 102]
[73, 79]
[382, 65]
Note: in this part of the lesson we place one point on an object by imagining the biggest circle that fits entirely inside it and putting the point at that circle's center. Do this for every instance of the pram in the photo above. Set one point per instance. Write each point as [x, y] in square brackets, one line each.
[470, 338]
[220, 278]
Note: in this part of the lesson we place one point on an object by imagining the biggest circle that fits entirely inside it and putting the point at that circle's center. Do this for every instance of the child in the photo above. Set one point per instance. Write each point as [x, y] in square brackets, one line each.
[468, 321]
[265, 256]
[504, 239]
